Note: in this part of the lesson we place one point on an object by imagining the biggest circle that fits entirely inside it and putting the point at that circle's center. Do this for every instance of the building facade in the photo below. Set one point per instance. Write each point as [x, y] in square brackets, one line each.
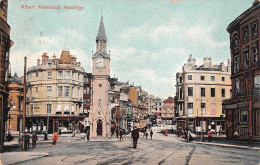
[157, 111]
[55, 94]
[243, 109]
[168, 115]
[199, 95]
[100, 114]
[5, 44]
[14, 122]
[86, 100]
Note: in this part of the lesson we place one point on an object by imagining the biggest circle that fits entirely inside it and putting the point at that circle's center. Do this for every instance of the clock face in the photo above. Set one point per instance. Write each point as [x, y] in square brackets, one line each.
[100, 63]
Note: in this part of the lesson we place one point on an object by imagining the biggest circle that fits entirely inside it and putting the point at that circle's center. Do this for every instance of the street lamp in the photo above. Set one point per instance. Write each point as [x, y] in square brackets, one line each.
[202, 133]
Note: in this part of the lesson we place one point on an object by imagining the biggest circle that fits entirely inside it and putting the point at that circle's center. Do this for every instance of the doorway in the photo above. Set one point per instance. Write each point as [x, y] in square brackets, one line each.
[99, 127]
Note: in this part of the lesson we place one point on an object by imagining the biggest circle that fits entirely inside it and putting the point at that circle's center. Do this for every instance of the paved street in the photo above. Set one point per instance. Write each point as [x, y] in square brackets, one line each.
[160, 150]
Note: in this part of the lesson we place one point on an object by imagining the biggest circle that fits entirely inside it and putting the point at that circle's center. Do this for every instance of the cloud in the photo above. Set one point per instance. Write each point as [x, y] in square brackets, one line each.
[203, 35]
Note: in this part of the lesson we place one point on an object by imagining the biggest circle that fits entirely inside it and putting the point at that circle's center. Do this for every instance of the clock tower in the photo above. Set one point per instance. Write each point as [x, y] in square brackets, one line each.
[100, 112]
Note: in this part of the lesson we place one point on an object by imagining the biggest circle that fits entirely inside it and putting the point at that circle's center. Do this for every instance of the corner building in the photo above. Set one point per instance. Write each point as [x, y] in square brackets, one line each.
[243, 109]
[200, 91]
[55, 94]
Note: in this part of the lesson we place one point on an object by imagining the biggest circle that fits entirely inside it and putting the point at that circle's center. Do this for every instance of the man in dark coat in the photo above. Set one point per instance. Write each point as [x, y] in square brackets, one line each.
[151, 134]
[34, 139]
[135, 136]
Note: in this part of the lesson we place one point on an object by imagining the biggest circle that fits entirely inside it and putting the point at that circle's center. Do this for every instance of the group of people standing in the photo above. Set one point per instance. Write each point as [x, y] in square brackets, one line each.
[184, 133]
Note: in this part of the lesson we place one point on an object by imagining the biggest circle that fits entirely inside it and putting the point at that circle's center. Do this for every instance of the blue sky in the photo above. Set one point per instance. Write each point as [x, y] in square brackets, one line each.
[149, 40]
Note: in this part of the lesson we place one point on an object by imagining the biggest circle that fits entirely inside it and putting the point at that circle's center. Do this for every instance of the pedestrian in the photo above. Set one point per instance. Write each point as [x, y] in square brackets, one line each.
[135, 136]
[151, 134]
[117, 132]
[209, 136]
[185, 135]
[189, 136]
[73, 133]
[27, 141]
[112, 131]
[45, 135]
[220, 130]
[34, 139]
[55, 138]
[166, 132]
[88, 134]
[146, 133]
[121, 134]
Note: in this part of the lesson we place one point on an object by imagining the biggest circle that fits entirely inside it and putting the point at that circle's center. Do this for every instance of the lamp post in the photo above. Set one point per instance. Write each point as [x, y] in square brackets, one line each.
[24, 102]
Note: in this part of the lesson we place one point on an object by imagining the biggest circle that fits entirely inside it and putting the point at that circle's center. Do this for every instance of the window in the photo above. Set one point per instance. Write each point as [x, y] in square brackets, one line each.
[245, 35]
[72, 109]
[66, 109]
[246, 57]
[212, 78]
[59, 91]
[85, 80]
[180, 79]
[72, 91]
[58, 109]
[84, 91]
[49, 91]
[236, 64]
[244, 116]
[255, 52]
[88, 90]
[237, 89]
[212, 92]
[189, 77]
[235, 41]
[223, 92]
[190, 91]
[36, 74]
[202, 92]
[257, 81]
[213, 108]
[88, 101]
[48, 108]
[254, 30]
[202, 78]
[84, 101]
[60, 75]
[190, 108]
[36, 91]
[67, 74]
[100, 85]
[72, 74]
[203, 107]
[180, 93]
[223, 79]
[49, 75]
[67, 91]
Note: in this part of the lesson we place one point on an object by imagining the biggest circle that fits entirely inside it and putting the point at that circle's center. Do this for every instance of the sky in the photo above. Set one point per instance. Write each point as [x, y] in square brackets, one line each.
[149, 40]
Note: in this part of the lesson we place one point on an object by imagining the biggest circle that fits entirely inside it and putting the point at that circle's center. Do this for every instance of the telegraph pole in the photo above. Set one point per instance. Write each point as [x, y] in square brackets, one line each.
[24, 101]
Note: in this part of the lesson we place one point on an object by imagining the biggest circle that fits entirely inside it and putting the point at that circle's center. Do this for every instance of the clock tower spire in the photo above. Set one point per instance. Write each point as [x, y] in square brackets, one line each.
[101, 38]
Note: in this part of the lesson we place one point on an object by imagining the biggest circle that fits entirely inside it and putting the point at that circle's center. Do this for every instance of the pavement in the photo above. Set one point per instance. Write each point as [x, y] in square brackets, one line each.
[14, 155]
